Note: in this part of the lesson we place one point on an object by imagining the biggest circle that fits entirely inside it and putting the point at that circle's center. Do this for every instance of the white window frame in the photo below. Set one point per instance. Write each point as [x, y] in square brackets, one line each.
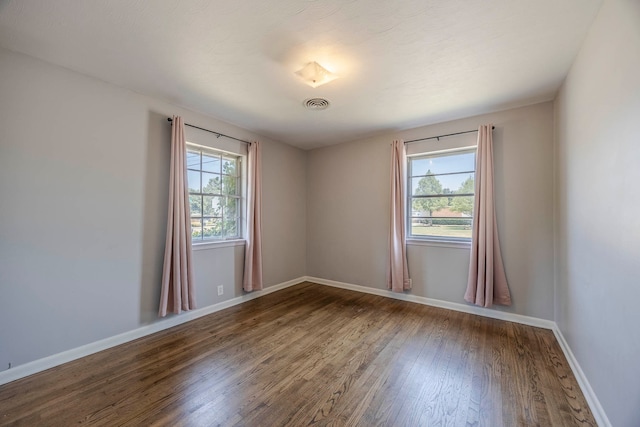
[203, 243]
[445, 241]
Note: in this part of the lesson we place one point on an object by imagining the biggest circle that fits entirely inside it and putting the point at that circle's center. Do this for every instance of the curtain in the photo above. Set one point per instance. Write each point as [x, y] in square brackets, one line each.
[252, 280]
[487, 282]
[177, 274]
[398, 270]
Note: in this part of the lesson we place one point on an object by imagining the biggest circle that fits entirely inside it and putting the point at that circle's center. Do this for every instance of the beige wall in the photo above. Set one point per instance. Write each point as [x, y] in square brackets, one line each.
[348, 211]
[597, 205]
[83, 201]
[284, 213]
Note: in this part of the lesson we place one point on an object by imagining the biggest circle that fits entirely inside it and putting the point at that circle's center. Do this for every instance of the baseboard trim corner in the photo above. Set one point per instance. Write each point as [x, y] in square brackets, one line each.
[66, 356]
[589, 394]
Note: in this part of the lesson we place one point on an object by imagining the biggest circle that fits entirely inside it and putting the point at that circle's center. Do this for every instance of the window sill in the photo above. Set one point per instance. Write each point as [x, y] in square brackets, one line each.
[217, 244]
[440, 243]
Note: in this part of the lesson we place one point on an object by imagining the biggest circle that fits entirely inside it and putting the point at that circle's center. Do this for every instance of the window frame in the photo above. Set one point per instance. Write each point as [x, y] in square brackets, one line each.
[445, 241]
[238, 238]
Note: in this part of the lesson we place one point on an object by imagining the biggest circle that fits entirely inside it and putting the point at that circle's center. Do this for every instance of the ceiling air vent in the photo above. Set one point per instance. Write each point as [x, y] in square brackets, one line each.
[316, 104]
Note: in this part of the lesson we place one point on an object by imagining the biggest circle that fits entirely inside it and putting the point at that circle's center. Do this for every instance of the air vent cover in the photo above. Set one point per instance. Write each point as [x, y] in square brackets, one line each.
[316, 104]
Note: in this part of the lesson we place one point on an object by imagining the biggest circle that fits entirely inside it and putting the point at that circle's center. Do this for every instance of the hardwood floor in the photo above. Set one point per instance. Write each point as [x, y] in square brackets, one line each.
[314, 355]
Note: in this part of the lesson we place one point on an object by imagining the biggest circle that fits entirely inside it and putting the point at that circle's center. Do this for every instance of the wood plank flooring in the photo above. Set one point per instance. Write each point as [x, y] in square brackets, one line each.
[314, 355]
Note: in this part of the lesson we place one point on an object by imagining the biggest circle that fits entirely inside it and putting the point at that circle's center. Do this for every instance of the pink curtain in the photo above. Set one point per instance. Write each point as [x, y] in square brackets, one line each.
[252, 280]
[487, 282]
[398, 270]
[177, 275]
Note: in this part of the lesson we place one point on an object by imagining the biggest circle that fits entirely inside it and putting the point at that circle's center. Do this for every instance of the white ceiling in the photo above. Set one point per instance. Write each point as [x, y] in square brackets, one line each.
[402, 63]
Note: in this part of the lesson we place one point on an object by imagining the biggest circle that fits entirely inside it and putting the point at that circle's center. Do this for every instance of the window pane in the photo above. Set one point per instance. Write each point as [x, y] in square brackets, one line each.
[231, 208]
[441, 227]
[193, 178]
[432, 206]
[229, 166]
[229, 185]
[443, 184]
[443, 163]
[210, 163]
[212, 228]
[195, 205]
[457, 183]
[461, 206]
[426, 185]
[211, 176]
[212, 206]
[230, 227]
[196, 228]
[211, 183]
[193, 159]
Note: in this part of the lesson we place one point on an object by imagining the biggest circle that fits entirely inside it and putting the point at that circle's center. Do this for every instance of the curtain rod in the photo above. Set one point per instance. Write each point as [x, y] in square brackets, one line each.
[217, 134]
[444, 136]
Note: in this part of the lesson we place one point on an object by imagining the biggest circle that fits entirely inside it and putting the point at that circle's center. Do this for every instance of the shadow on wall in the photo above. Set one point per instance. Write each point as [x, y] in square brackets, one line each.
[156, 198]
[514, 266]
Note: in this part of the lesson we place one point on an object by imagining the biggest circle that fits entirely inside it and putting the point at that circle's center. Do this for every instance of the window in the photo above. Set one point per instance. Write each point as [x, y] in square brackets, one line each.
[214, 194]
[441, 194]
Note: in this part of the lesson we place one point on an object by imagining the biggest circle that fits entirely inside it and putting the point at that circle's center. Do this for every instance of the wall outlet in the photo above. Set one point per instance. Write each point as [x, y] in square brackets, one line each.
[220, 290]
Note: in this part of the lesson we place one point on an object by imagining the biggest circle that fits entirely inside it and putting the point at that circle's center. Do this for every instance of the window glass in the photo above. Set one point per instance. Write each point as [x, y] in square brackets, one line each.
[441, 195]
[214, 194]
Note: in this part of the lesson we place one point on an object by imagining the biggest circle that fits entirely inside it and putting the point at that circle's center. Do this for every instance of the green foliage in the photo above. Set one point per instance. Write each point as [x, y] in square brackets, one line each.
[464, 204]
[429, 185]
[195, 205]
[449, 199]
[214, 186]
[453, 221]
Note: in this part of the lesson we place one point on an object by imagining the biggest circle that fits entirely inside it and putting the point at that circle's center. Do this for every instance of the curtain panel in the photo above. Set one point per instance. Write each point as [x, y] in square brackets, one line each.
[487, 283]
[252, 280]
[398, 270]
[177, 291]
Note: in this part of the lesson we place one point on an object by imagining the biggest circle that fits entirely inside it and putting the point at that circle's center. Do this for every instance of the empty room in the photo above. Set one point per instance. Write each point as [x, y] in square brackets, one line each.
[320, 212]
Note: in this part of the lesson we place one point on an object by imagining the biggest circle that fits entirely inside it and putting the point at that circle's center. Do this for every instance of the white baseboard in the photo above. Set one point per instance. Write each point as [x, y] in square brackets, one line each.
[465, 308]
[589, 394]
[39, 365]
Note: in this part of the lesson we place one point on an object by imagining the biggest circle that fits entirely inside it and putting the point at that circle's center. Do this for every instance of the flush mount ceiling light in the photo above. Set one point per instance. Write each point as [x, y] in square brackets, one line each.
[315, 74]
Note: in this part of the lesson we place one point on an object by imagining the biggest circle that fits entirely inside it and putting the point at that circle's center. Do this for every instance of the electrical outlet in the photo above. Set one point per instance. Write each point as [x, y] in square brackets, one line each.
[220, 290]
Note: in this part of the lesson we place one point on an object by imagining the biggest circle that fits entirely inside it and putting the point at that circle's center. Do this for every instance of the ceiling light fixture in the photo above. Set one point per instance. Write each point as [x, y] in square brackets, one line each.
[315, 74]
